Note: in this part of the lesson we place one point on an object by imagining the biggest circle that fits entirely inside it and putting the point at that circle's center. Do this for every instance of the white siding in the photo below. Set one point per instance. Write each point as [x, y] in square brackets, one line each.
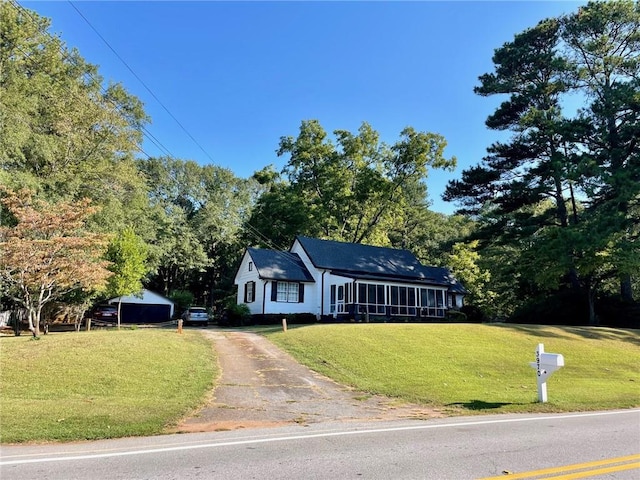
[313, 291]
[263, 293]
[245, 275]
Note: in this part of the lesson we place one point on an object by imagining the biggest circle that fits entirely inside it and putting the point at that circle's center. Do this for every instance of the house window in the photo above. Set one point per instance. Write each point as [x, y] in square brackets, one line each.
[249, 292]
[432, 302]
[250, 266]
[288, 292]
[371, 298]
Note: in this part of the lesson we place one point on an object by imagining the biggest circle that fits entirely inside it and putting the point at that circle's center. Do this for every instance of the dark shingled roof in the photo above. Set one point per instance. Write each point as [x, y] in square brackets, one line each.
[276, 265]
[374, 263]
[358, 258]
[442, 276]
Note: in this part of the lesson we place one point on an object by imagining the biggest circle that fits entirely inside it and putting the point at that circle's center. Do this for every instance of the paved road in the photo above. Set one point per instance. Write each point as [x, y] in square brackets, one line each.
[455, 448]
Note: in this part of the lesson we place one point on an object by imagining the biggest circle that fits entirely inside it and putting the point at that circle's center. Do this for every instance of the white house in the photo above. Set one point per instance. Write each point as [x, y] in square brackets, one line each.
[344, 281]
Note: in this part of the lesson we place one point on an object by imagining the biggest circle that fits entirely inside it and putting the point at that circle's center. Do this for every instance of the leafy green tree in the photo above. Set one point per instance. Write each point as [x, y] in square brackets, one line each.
[64, 133]
[352, 190]
[218, 223]
[464, 264]
[198, 211]
[127, 256]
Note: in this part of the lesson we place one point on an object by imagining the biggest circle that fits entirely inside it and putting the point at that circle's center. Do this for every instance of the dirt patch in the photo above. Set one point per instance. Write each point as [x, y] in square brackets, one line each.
[262, 386]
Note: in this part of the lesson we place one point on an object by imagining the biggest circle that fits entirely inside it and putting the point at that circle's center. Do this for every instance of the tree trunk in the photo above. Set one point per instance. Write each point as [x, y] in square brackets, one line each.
[593, 319]
[119, 305]
[34, 323]
[626, 289]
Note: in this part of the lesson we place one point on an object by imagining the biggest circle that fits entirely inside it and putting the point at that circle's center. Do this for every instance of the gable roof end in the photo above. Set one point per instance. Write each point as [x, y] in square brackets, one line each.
[276, 265]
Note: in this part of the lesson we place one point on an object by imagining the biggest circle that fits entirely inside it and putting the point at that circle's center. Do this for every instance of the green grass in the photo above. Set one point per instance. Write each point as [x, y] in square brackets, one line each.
[464, 368]
[106, 384]
[102, 384]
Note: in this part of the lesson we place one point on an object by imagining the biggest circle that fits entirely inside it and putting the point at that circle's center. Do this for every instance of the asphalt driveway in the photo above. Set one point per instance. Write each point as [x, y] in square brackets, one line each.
[261, 385]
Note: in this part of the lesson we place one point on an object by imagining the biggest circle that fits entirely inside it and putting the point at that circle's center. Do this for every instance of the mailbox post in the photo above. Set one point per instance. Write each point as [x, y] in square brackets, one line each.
[545, 364]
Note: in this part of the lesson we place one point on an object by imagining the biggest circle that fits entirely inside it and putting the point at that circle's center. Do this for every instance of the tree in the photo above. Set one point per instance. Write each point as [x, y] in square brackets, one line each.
[354, 190]
[48, 252]
[527, 181]
[464, 263]
[65, 133]
[198, 212]
[604, 45]
[560, 195]
[127, 255]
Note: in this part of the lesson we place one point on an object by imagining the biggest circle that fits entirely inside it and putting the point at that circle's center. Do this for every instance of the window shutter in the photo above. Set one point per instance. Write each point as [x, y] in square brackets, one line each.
[246, 289]
[300, 292]
[274, 291]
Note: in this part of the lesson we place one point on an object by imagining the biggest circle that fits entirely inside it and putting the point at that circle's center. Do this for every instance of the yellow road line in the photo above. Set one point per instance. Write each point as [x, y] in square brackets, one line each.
[568, 468]
[599, 471]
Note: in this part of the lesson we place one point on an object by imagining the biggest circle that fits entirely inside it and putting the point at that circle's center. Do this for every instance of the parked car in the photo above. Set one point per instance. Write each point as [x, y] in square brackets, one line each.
[105, 313]
[195, 315]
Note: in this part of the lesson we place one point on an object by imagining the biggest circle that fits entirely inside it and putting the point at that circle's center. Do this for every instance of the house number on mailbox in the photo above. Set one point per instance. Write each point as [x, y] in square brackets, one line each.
[545, 365]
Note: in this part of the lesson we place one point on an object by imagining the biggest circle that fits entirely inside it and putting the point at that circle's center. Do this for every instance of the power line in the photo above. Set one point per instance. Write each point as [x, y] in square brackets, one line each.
[66, 56]
[281, 252]
[141, 81]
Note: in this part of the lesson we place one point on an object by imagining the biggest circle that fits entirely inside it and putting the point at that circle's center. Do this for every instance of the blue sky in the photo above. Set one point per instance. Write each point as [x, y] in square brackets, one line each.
[239, 75]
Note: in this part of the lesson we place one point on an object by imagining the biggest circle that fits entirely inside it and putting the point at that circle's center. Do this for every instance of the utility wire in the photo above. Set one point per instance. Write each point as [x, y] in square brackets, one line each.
[66, 56]
[277, 249]
[141, 81]
[116, 107]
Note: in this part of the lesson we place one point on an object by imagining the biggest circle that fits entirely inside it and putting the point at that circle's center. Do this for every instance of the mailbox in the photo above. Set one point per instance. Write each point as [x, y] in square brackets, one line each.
[545, 364]
[550, 360]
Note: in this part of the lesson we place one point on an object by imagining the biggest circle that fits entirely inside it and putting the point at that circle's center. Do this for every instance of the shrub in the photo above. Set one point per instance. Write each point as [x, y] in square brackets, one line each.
[183, 299]
[236, 315]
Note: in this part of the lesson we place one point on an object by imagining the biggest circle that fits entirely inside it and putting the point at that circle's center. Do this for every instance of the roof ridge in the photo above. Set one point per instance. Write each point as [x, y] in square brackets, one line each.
[354, 243]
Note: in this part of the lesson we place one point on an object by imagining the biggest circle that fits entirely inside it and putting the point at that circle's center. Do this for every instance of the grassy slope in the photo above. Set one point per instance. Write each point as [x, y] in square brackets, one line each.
[108, 384]
[475, 367]
[100, 384]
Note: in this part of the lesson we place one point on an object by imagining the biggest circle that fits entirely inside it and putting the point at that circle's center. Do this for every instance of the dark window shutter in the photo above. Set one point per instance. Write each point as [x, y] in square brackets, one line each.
[301, 292]
[246, 289]
[274, 291]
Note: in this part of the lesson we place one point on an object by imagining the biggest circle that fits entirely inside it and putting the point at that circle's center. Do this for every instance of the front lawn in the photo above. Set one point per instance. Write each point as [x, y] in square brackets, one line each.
[102, 384]
[463, 368]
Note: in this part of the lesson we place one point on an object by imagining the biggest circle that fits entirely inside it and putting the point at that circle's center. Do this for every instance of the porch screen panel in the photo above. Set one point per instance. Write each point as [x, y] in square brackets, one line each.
[340, 305]
[403, 300]
[411, 301]
[332, 303]
[432, 302]
[371, 298]
[362, 293]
